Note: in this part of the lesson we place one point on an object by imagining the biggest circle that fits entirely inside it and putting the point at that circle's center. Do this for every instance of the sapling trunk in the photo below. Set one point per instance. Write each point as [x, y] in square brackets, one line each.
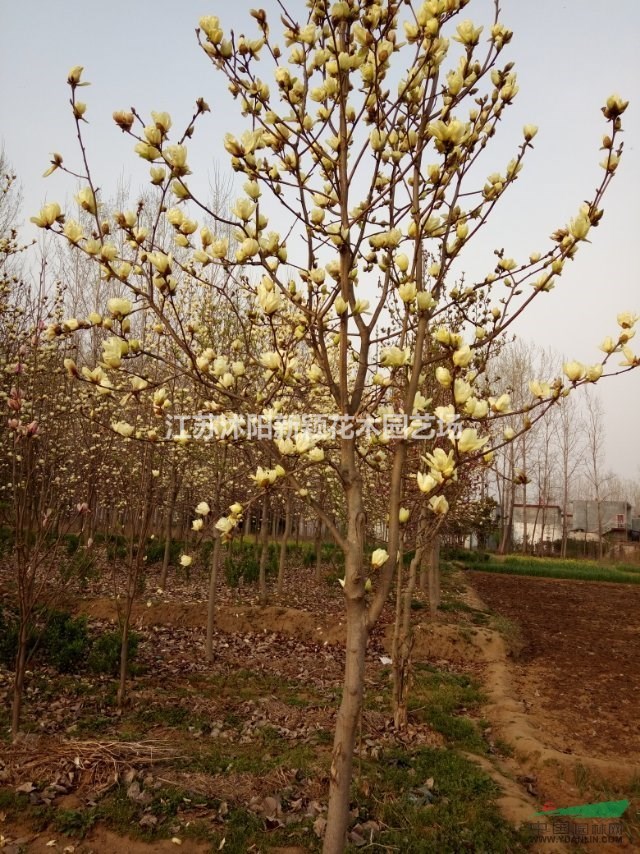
[283, 545]
[211, 603]
[318, 550]
[18, 683]
[264, 550]
[353, 690]
[434, 576]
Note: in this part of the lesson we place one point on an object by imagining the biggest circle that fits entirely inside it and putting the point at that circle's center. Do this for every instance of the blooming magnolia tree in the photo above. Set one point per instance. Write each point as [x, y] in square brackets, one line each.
[366, 125]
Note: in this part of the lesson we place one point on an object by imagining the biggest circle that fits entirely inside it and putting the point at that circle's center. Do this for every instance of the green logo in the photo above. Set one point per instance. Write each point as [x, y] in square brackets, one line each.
[604, 809]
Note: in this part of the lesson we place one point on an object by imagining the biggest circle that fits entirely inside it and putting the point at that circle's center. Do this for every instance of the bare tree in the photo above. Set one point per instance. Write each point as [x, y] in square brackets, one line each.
[594, 462]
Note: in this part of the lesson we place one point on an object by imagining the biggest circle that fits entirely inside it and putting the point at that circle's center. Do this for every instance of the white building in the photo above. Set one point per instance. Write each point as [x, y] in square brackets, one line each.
[540, 523]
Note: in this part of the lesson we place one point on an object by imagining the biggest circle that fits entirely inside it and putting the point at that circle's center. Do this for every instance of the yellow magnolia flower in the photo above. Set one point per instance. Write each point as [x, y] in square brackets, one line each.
[87, 200]
[627, 320]
[271, 361]
[210, 25]
[225, 525]
[158, 173]
[268, 297]
[147, 152]
[176, 157]
[48, 215]
[264, 477]
[538, 389]
[138, 384]
[186, 560]
[615, 106]
[579, 227]
[442, 462]
[340, 305]
[378, 558]
[500, 404]
[630, 358]
[113, 349]
[124, 119]
[73, 78]
[574, 371]
[403, 515]
[197, 524]
[72, 231]
[394, 357]
[160, 261]
[467, 34]
[476, 408]
[443, 376]
[594, 372]
[425, 301]
[463, 356]
[71, 367]
[162, 121]
[461, 391]
[439, 505]
[608, 345]
[123, 428]
[420, 402]
[407, 291]
[469, 441]
[402, 262]
[119, 307]
[203, 509]
[243, 209]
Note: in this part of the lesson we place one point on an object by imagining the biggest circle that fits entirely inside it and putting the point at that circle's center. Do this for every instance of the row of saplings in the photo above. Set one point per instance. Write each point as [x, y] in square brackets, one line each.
[241, 563]
[64, 642]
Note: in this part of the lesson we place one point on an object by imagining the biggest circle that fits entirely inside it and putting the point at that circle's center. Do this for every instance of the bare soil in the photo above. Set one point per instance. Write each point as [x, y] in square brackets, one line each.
[563, 680]
[578, 669]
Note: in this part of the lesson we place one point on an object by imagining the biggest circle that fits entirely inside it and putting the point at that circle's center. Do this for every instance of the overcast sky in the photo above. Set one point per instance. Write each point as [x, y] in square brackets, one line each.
[569, 57]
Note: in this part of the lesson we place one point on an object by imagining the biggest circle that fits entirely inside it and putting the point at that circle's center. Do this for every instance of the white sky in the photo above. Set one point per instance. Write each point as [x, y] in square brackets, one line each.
[569, 57]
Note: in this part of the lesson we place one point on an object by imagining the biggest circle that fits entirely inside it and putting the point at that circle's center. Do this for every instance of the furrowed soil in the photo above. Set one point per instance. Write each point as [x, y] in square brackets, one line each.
[567, 699]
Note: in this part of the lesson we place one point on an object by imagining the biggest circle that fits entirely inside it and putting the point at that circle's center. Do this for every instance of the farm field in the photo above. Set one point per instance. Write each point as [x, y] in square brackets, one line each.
[575, 675]
[579, 570]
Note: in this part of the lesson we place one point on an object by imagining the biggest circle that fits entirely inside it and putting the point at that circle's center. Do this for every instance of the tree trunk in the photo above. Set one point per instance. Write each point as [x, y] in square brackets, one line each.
[525, 527]
[124, 657]
[318, 550]
[397, 667]
[264, 549]
[168, 525]
[283, 545]
[434, 576]
[507, 532]
[18, 683]
[565, 510]
[403, 647]
[211, 604]
[353, 689]
[424, 570]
